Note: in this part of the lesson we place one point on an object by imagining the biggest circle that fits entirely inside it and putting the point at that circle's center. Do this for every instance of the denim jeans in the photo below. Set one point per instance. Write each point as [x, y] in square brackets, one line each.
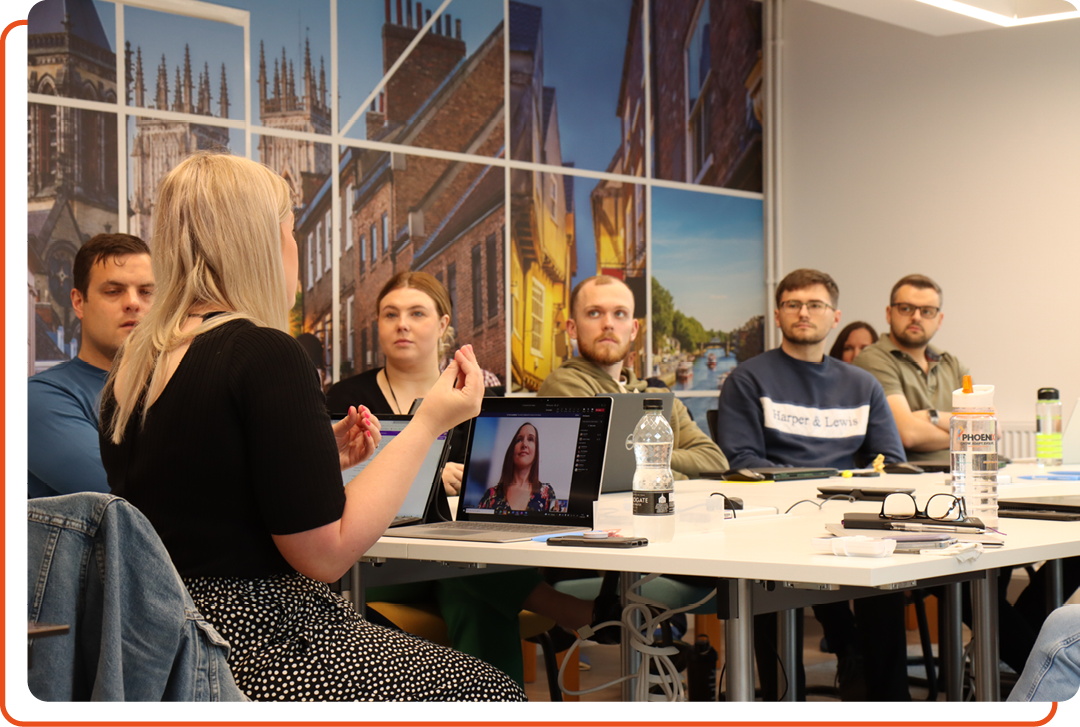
[1052, 672]
[96, 564]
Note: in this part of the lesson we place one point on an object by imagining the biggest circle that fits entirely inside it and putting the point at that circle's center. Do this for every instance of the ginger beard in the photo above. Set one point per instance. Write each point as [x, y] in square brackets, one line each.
[603, 324]
[605, 349]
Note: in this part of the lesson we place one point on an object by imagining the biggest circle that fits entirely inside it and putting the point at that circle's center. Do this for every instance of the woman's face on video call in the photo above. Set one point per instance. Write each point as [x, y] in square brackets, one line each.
[525, 446]
[409, 326]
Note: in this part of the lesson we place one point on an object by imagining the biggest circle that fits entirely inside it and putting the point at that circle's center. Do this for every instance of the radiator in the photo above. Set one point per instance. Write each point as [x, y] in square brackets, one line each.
[1017, 439]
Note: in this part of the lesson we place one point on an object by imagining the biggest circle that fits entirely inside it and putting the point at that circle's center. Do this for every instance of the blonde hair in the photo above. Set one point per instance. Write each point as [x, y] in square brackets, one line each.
[217, 247]
[429, 284]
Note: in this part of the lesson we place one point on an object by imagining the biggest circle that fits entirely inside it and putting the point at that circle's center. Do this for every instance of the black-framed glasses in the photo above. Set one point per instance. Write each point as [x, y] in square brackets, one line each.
[907, 310]
[815, 307]
[902, 506]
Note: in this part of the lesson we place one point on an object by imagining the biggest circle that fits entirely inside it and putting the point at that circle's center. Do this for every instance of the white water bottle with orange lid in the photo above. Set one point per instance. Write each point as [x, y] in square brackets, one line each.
[973, 435]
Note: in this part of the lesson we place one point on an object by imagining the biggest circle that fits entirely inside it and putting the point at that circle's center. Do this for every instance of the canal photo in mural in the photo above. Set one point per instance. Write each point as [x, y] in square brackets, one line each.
[708, 303]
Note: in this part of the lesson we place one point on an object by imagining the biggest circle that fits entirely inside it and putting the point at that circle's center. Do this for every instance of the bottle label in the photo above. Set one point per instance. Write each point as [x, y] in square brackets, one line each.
[1048, 446]
[654, 503]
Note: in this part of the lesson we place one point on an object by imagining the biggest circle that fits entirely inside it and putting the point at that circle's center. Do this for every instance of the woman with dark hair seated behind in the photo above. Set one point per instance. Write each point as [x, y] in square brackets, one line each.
[853, 339]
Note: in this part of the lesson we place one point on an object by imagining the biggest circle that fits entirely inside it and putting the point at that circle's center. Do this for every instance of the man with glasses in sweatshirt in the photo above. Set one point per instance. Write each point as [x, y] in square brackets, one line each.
[795, 406]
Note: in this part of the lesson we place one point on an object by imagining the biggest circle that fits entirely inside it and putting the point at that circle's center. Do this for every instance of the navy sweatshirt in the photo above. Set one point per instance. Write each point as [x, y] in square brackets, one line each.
[776, 410]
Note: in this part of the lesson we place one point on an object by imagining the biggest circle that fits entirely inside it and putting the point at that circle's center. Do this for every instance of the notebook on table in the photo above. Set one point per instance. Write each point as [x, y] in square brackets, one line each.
[626, 411]
[566, 438]
[776, 474]
[419, 505]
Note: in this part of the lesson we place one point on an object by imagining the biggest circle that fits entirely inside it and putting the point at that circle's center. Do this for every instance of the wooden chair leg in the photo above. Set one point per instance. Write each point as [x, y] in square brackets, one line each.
[528, 656]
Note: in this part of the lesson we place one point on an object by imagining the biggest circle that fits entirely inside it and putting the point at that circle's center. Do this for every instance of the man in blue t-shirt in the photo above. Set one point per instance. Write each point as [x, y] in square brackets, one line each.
[112, 287]
[795, 406]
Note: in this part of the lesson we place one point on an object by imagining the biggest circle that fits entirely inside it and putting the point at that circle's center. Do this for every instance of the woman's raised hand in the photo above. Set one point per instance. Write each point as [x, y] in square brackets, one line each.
[357, 436]
[456, 396]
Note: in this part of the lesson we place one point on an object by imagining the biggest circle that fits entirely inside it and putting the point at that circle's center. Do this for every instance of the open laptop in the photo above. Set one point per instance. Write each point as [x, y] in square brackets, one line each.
[419, 504]
[626, 411]
[568, 450]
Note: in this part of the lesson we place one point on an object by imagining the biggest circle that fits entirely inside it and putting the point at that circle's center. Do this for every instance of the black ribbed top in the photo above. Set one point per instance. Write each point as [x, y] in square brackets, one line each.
[238, 446]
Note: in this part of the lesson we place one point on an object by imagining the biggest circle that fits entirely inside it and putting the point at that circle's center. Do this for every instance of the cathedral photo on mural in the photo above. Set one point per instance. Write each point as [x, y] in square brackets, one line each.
[72, 167]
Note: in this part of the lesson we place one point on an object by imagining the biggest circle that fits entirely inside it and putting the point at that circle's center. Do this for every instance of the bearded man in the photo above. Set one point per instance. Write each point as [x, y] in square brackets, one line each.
[918, 380]
[603, 324]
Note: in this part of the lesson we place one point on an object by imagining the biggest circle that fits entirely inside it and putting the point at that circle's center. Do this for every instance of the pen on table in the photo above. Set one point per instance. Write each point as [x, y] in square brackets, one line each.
[920, 528]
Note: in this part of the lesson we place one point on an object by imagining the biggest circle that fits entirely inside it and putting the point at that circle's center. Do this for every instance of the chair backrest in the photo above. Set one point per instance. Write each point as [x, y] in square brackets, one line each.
[710, 417]
[95, 563]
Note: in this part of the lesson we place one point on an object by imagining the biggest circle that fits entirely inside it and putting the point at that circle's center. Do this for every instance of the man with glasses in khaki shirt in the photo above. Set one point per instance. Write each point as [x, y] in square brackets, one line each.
[918, 380]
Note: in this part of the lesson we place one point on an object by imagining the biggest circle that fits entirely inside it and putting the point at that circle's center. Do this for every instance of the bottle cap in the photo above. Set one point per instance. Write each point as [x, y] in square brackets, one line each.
[653, 404]
[1049, 393]
[980, 397]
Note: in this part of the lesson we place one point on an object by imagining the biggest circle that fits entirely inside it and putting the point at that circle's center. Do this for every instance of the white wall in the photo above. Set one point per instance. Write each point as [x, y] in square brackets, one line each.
[957, 157]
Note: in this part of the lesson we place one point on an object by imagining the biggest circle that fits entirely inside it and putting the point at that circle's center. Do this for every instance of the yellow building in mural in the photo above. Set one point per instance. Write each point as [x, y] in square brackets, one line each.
[543, 253]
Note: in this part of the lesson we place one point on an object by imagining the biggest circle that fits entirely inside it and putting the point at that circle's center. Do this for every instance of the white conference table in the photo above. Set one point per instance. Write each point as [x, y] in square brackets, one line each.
[767, 562]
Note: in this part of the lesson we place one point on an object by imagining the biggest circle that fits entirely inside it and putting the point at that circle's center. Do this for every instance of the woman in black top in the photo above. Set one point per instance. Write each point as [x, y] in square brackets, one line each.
[214, 425]
[481, 612]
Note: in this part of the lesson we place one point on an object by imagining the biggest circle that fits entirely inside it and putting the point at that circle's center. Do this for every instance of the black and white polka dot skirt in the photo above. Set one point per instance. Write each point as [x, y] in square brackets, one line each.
[292, 639]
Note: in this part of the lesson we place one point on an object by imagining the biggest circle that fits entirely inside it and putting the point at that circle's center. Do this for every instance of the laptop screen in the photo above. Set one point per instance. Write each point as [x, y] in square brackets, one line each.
[416, 501]
[535, 460]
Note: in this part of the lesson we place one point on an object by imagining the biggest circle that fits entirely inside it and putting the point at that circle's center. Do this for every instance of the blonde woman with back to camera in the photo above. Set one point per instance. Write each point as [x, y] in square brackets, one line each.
[213, 424]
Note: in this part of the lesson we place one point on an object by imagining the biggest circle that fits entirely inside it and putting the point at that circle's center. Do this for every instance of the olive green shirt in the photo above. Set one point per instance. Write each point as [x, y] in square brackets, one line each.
[694, 451]
[898, 373]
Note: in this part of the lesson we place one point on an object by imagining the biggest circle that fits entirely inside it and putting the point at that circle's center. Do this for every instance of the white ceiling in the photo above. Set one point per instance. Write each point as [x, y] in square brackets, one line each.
[931, 20]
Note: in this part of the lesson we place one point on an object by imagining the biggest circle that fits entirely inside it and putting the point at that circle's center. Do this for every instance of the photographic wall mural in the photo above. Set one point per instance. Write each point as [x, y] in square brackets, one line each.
[511, 149]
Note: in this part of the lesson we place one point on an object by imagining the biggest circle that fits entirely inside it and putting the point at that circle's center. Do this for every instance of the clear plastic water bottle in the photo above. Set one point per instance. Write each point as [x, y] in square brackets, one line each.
[1048, 427]
[654, 506]
[973, 433]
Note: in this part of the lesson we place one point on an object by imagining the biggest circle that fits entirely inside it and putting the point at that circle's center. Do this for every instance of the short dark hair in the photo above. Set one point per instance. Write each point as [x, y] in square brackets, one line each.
[804, 278]
[922, 282]
[596, 280]
[100, 248]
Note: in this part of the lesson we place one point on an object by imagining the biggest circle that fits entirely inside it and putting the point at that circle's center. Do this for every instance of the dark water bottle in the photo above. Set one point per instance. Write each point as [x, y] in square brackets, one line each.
[701, 671]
